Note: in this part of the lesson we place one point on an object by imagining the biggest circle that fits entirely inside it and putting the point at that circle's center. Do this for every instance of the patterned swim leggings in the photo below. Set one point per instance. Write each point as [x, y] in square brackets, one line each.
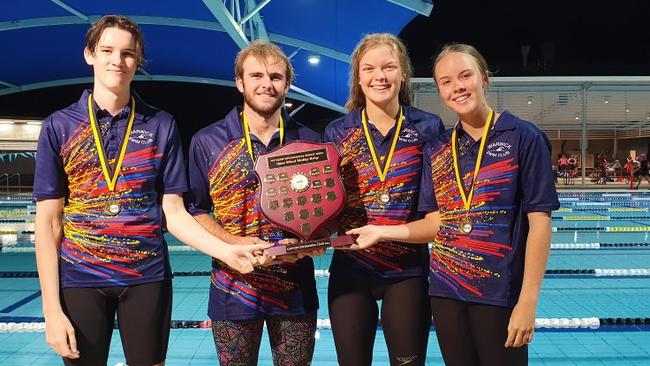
[292, 340]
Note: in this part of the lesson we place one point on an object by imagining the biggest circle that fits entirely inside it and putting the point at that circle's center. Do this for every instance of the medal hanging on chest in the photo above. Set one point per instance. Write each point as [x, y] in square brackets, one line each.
[112, 206]
[382, 196]
[465, 224]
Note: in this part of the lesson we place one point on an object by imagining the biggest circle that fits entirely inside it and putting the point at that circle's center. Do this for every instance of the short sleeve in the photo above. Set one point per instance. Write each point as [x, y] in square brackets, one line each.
[427, 198]
[538, 179]
[198, 200]
[50, 180]
[307, 134]
[435, 126]
[440, 127]
[174, 179]
[327, 135]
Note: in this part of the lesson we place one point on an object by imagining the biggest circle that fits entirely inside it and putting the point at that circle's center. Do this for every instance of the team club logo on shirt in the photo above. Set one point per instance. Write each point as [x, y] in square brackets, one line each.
[141, 137]
[408, 136]
[498, 149]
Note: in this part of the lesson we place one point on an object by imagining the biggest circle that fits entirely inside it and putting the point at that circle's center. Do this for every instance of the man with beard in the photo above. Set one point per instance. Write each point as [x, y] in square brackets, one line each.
[224, 197]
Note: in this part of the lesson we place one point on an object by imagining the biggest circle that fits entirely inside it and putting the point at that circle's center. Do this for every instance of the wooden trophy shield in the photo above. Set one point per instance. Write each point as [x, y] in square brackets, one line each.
[300, 186]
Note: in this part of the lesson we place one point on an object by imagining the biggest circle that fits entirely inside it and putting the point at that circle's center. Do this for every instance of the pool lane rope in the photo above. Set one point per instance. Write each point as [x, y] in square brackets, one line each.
[598, 272]
[607, 229]
[588, 246]
[555, 246]
[554, 229]
[599, 218]
[610, 209]
[541, 324]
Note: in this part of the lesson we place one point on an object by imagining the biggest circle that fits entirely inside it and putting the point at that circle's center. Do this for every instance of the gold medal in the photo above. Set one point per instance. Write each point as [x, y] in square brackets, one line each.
[466, 196]
[112, 208]
[465, 226]
[383, 197]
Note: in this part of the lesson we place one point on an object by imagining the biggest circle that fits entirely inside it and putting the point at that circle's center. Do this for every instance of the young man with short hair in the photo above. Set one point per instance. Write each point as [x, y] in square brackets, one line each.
[109, 178]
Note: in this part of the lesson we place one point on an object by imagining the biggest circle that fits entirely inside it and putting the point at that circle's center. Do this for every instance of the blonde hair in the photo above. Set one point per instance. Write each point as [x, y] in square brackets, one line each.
[262, 50]
[357, 98]
[465, 49]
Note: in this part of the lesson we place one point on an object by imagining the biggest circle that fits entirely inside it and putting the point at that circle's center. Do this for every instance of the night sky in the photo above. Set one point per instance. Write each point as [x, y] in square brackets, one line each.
[565, 38]
[576, 38]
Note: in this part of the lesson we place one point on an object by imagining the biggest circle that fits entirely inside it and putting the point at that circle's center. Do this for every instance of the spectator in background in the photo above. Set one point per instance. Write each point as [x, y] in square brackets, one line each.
[615, 167]
[602, 169]
[642, 171]
[563, 165]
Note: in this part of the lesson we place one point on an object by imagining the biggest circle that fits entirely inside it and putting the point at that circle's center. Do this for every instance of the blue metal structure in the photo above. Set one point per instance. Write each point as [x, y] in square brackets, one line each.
[197, 40]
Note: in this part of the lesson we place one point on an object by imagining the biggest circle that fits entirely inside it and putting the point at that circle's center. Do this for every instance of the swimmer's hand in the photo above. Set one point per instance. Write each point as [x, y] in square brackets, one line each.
[60, 335]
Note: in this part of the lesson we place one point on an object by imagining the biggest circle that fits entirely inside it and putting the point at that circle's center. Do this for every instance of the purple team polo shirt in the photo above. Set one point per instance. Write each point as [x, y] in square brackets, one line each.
[385, 259]
[515, 178]
[97, 249]
[223, 183]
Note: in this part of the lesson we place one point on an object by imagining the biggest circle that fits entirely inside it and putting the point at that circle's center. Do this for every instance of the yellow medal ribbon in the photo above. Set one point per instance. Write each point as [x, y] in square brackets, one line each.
[467, 197]
[382, 172]
[110, 181]
[247, 136]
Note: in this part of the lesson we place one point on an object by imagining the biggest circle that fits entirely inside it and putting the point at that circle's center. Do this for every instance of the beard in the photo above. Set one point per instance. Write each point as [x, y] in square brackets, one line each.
[264, 110]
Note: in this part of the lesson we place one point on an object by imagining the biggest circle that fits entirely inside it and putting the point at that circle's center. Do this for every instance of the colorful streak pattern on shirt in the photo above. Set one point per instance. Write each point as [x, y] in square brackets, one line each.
[487, 266]
[362, 185]
[223, 184]
[99, 249]
[456, 258]
[235, 195]
[94, 242]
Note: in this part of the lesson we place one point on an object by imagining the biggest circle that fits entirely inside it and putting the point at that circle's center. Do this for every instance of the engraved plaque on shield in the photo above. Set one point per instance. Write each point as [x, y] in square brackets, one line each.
[301, 187]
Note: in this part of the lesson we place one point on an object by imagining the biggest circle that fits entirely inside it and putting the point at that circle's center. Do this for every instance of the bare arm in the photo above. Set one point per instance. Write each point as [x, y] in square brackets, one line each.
[522, 321]
[184, 227]
[210, 224]
[48, 233]
[418, 232]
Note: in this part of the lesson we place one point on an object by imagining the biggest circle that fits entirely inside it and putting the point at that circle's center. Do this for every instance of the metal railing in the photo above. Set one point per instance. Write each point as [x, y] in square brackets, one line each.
[6, 179]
